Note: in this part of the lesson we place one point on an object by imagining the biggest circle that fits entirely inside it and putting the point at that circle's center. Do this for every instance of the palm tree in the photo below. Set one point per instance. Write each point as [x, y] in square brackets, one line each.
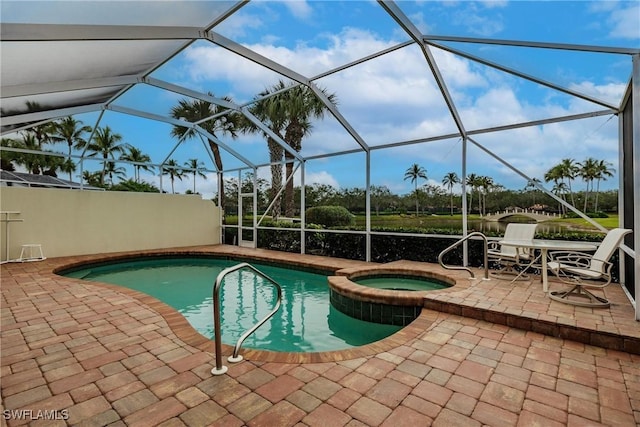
[269, 111]
[112, 170]
[569, 170]
[472, 181]
[226, 124]
[105, 143]
[140, 159]
[532, 185]
[40, 132]
[560, 189]
[288, 114]
[172, 169]
[34, 163]
[8, 157]
[68, 166]
[554, 174]
[603, 171]
[92, 178]
[414, 172]
[51, 164]
[302, 105]
[449, 180]
[71, 131]
[486, 183]
[588, 171]
[196, 167]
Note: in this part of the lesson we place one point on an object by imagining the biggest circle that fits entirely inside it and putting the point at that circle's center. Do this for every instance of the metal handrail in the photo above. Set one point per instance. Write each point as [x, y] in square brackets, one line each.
[486, 256]
[219, 368]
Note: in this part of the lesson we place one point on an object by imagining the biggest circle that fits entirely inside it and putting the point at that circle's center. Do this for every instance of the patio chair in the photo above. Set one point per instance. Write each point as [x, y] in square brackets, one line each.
[575, 267]
[510, 257]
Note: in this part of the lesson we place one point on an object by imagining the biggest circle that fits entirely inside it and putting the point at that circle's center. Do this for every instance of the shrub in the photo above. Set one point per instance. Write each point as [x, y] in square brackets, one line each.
[329, 216]
[279, 240]
[131, 185]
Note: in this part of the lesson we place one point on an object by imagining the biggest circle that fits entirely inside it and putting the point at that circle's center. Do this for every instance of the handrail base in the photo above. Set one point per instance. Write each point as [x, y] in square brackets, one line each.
[223, 370]
[235, 359]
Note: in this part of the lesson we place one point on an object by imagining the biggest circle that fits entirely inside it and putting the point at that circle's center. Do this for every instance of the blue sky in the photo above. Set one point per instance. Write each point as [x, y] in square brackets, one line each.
[394, 98]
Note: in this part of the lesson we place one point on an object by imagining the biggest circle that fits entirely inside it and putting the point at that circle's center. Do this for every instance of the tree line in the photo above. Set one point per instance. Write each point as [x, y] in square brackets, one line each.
[104, 144]
[592, 171]
[431, 199]
[285, 112]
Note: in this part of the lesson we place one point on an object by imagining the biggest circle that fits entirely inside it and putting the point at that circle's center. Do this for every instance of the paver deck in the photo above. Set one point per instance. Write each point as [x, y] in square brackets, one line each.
[481, 353]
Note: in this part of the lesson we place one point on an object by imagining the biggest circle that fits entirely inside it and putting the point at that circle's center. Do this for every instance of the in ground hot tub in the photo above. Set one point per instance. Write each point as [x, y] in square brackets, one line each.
[397, 282]
[384, 295]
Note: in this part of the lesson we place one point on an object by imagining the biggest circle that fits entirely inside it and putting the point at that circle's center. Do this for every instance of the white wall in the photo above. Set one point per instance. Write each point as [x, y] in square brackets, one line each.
[73, 222]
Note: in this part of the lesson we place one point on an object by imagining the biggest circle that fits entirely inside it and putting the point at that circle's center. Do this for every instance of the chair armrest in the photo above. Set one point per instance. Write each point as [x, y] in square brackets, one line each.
[571, 258]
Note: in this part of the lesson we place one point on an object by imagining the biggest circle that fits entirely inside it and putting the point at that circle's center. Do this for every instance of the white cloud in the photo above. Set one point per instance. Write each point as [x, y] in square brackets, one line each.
[479, 22]
[625, 22]
[394, 98]
[611, 92]
[301, 9]
[207, 187]
[240, 25]
[493, 4]
[623, 18]
[320, 177]
[420, 22]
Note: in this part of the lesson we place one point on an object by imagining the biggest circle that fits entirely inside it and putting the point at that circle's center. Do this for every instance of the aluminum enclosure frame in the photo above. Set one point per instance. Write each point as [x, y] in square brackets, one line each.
[185, 36]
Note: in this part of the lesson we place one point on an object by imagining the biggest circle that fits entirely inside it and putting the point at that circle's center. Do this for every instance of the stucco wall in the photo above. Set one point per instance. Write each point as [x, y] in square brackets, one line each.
[73, 222]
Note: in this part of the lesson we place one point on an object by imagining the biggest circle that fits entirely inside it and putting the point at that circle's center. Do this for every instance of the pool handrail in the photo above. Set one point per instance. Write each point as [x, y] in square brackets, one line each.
[486, 257]
[220, 369]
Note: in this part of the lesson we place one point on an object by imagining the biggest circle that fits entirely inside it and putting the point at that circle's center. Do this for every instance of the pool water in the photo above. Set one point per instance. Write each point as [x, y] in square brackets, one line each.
[399, 283]
[306, 321]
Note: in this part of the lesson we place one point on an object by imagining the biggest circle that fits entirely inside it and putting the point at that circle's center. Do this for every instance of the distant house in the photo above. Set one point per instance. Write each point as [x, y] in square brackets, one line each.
[538, 207]
[21, 179]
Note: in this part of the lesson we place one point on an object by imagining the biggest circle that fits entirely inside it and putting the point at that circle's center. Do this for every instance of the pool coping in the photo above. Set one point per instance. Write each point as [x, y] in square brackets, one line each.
[187, 333]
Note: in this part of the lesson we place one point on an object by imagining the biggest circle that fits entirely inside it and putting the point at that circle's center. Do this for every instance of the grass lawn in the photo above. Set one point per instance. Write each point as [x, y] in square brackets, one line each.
[441, 221]
[609, 223]
[411, 221]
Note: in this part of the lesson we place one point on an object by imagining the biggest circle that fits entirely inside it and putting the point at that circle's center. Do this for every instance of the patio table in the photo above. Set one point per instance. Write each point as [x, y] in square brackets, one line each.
[544, 246]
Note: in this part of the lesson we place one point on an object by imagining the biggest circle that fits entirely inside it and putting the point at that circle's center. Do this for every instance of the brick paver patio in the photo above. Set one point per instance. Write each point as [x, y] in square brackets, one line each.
[484, 353]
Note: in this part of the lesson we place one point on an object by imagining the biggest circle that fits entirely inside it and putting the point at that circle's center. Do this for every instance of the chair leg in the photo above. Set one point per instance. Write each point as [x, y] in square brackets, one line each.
[508, 273]
[579, 291]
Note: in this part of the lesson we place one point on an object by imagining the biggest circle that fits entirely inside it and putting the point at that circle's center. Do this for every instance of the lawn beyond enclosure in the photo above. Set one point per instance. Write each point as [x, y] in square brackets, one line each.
[477, 222]
[430, 223]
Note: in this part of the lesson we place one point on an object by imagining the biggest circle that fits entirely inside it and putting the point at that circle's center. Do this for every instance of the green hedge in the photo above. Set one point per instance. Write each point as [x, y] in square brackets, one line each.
[349, 246]
[329, 216]
[392, 248]
[279, 240]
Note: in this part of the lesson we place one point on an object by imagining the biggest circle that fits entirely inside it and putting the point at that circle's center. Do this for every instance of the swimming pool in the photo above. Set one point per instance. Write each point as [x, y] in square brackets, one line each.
[306, 321]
